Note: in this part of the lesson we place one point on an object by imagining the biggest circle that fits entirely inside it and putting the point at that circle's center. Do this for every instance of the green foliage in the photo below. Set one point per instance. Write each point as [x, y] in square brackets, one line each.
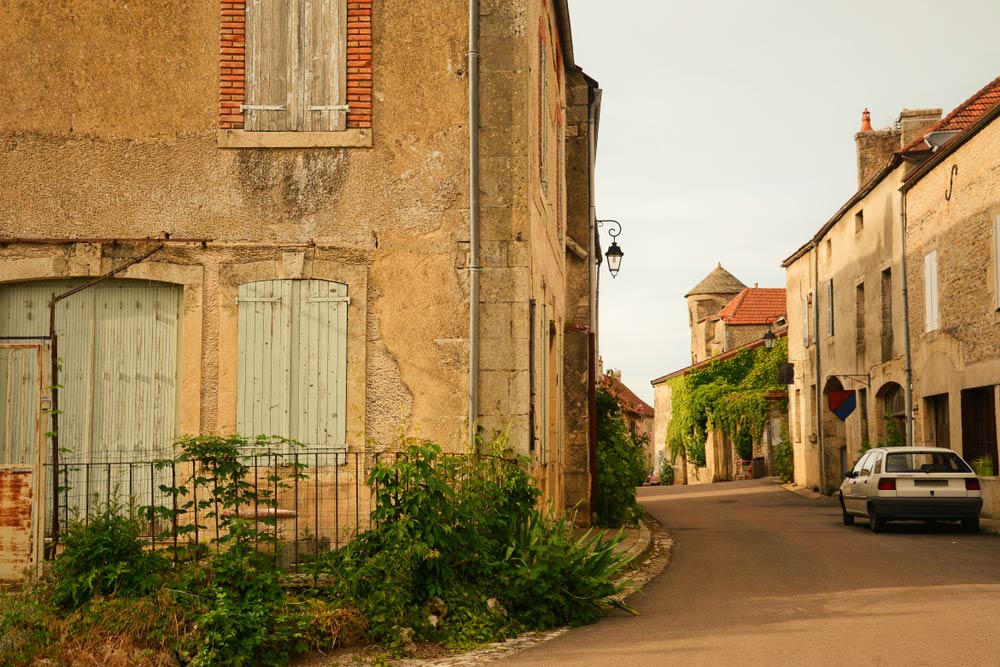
[983, 466]
[727, 394]
[666, 472]
[744, 444]
[621, 465]
[783, 461]
[458, 533]
[104, 556]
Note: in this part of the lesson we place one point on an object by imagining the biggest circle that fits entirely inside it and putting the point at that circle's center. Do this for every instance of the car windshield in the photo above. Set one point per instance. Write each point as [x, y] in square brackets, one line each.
[925, 462]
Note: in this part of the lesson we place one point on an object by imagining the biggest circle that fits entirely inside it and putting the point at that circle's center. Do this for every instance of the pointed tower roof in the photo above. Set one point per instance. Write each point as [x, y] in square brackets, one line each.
[719, 281]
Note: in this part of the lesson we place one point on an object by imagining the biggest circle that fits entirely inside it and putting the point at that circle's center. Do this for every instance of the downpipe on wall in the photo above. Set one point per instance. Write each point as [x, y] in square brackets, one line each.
[908, 367]
[474, 268]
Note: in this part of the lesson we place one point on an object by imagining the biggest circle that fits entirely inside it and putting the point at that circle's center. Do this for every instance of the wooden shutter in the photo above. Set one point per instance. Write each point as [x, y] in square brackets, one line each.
[271, 27]
[829, 307]
[931, 291]
[293, 360]
[996, 263]
[543, 343]
[805, 320]
[323, 55]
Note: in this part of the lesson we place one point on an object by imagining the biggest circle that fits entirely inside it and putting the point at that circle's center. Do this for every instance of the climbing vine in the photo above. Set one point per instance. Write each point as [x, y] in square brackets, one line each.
[726, 394]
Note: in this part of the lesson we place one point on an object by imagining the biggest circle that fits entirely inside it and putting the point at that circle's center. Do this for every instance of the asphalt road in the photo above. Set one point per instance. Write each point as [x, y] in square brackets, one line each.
[762, 576]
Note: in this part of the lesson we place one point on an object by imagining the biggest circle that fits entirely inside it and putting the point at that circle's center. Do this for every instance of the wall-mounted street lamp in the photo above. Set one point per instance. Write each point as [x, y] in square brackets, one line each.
[614, 253]
[769, 337]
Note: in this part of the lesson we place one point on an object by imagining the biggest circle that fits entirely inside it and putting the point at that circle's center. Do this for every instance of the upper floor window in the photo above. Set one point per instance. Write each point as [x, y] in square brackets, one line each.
[296, 79]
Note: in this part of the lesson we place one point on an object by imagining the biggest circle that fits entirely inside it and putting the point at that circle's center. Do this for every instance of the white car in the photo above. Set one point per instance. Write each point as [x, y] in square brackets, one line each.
[911, 483]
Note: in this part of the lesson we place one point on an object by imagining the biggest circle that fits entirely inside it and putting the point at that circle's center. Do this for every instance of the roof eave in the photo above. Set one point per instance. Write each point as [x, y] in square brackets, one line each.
[912, 178]
[565, 32]
[863, 192]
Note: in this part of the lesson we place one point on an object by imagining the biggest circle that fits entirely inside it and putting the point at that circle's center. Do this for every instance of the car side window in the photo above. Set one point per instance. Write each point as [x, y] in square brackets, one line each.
[866, 468]
[877, 468]
[859, 466]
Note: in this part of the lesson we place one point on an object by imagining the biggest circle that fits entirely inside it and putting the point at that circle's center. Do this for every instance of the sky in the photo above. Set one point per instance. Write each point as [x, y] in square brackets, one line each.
[727, 135]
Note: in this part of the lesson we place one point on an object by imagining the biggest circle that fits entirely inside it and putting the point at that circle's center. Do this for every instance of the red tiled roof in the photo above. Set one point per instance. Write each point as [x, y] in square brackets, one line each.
[754, 305]
[626, 397]
[964, 115]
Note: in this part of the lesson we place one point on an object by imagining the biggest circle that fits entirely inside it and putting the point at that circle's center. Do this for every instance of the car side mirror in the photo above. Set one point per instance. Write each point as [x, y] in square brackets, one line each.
[850, 474]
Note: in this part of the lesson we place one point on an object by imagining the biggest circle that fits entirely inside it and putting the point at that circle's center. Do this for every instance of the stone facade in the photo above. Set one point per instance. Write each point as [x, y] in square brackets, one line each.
[952, 214]
[121, 131]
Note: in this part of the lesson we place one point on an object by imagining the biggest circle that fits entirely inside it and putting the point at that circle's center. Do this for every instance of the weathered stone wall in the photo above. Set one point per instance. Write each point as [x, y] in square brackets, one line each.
[952, 210]
[854, 251]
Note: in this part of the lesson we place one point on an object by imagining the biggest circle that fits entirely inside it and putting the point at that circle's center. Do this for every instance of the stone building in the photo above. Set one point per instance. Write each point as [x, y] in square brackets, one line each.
[294, 178]
[953, 253]
[725, 316]
[853, 326]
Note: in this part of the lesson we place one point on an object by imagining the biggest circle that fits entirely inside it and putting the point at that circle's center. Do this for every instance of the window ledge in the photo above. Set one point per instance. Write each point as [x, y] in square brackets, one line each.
[346, 139]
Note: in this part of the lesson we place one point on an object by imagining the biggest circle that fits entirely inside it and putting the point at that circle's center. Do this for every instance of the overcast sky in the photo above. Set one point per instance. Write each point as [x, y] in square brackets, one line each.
[727, 135]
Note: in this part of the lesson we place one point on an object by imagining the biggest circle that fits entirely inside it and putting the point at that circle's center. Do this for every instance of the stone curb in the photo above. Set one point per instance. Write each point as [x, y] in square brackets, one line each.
[986, 525]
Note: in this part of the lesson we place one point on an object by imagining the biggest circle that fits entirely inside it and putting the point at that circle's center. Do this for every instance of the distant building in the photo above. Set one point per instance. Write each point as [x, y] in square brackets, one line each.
[725, 316]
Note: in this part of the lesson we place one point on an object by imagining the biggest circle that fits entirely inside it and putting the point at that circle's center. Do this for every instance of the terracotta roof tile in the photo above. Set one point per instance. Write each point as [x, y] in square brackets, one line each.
[963, 116]
[630, 402]
[754, 305]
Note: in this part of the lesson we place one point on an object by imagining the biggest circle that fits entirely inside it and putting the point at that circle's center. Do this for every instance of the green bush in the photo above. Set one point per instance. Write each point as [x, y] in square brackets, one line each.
[621, 465]
[784, 464]
[466, 535]
[666, 473]
[104, 556]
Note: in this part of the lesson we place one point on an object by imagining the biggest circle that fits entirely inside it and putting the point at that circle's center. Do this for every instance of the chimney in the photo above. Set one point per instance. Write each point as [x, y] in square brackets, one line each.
[914, 123]
[875, 147]
[616, 374]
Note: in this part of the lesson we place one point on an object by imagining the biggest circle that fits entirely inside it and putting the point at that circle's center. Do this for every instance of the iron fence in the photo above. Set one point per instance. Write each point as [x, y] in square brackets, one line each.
[306, 502]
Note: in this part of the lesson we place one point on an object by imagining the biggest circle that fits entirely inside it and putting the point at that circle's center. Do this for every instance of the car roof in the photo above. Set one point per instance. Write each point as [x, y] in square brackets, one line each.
[910, 450]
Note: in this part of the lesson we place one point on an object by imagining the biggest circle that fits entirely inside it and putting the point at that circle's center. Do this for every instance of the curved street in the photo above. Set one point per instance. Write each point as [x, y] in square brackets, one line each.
[762, 576]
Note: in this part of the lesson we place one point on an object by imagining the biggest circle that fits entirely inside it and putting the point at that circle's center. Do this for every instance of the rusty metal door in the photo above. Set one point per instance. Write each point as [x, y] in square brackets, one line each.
[22, 419]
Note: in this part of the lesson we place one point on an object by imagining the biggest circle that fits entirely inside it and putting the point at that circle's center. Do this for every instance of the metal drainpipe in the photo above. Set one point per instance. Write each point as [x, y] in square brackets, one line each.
[592, 342]
[908, 367]
[819, 374]
[474, 268]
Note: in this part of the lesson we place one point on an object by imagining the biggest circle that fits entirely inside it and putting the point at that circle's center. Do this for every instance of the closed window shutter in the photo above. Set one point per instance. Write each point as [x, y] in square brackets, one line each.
[829, 307]
[996, 263]
[805, 320]
[930, 290]
[293, 361]
[270, 61]
[323, 56]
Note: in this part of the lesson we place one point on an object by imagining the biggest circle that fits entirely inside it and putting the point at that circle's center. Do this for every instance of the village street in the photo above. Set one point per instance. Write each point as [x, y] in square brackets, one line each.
[762, 576]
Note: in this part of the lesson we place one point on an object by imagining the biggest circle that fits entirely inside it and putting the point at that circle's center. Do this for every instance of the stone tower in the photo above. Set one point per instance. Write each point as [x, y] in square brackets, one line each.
[705, 299]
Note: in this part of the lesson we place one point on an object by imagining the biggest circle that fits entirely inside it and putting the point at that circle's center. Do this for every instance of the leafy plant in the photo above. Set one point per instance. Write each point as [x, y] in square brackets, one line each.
[727, 394]
[621, 465]
[983, 466]
[784, 463]
[104, 556]
[666, 472]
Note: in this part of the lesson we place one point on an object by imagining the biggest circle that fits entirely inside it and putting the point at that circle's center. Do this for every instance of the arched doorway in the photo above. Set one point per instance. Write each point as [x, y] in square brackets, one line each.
[891, 427]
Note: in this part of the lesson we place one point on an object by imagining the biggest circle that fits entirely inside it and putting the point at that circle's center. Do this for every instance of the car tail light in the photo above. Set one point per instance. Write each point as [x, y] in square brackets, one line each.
[972, 484]
[887, 484]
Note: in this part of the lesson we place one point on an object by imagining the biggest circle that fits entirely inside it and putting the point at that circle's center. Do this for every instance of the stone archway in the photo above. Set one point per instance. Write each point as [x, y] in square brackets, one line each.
[890, 411]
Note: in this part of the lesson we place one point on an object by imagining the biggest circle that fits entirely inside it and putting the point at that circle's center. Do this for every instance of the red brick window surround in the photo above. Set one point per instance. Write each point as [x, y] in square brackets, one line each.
[233, 71]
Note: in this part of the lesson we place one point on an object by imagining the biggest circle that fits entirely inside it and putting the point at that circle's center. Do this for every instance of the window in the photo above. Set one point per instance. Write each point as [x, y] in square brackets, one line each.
[295, 57]
[829, 307]
[293, 360]
[886, 315]
[979, 424]
[543, 119]
[859, 319]
[829, 248]
[996, 263]
[931, 291]
[806, 316]
[859, 222]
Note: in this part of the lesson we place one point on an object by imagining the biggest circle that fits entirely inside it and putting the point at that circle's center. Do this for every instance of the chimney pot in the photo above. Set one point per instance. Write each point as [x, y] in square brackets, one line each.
[866, 121]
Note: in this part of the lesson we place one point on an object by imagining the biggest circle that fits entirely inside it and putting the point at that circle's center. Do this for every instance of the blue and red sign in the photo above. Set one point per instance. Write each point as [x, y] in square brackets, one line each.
[843, 402]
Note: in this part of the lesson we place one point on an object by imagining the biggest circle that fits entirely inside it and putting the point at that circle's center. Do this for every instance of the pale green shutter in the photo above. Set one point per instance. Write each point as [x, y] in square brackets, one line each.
[19, 405]
[293, 360]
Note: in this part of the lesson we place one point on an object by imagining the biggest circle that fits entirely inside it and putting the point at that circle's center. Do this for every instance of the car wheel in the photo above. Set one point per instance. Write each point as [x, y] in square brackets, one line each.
[971, 524]
[875, 522]
[848, 518]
